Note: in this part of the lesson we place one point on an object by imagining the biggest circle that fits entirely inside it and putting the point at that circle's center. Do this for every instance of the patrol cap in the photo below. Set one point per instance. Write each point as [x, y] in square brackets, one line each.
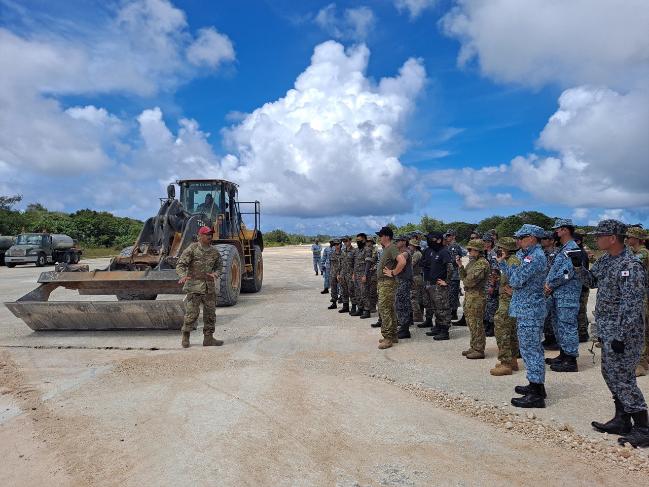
[549, 235]
[450, 232]
[434, 235]
[401, 238]
[414, 242]
[385, 231]
[507, 243]
[475, 244]
[344, 238]
[488, 237]
[609, 227]
[636, 232]
[336, 241]
[529, 229]
[562, 222]
[205, 231]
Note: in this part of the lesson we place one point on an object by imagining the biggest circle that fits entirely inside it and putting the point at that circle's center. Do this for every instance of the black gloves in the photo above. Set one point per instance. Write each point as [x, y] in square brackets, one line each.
[617, 346]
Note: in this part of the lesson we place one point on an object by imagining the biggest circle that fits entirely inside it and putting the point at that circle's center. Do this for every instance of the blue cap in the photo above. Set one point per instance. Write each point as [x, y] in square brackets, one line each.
[562, 222]
[529, 229]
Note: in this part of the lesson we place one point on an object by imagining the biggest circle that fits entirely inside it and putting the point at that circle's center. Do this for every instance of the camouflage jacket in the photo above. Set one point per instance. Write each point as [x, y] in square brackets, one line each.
[196, 261]
[527, 279]
[371, 255]
[474, 275]
[325, 260]
[621, 285]
[359, 262]
[335, 258]
[347, 266]
[417, 269]
[316, 250]
[566, 286]
[456, 251]
[504, 286]
[643, 256]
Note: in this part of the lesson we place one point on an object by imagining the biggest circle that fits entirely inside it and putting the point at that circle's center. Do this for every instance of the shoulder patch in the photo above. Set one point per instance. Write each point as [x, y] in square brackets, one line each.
[527, 259]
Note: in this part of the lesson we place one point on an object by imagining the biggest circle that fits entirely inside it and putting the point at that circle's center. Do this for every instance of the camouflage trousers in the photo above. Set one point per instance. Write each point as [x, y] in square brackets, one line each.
[373, 292]
[618, 370]
[325, 277]
[193, 302]
[491, 306]
[333, 286]
[346, 289]
[550, 323]
[368, 297]
[529, 340]
[387, 289]
[474, 306]
[505, 331]
[566, 329]
[416, 298]
[359, 293]
[402, 304]
[644, 359]
[582, 317]
[438, 301]
[316, 264]
[454, 294]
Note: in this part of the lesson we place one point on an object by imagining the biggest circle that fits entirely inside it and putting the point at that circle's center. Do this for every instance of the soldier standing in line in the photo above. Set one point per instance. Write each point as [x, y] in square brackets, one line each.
[316, 250]
[564, 288]
[621, 283]
[474, 277]
[198, 267]
[402, 304]
[417, 281]
[345, 276]
[491, 287]
[358, 271]
[438, 268]
[335, 260]
[505, 325]
[454, 283]
[529, 308]
[325, 265]
[378, 252]
[387, 287]
[582, 317]
[635, 237]
[368, 257]
[550, 251]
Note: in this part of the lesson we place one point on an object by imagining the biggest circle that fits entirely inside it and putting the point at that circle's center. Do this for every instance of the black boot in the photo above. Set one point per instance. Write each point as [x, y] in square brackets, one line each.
[355, 311]
[435, 330]
[569, 364]
[461, 321]
[365, 314]
[325, 291]
[488, 328]
[550, 343]
[426, 324]
[443, 334]
[345, 308]
[340, 300]
[524, 390]
[454, 314]
[404, 332]
[584, 337]
[535, 398]
[639, 436]
[377, 324]
[619, 425]
[556, 360]
[333, 305]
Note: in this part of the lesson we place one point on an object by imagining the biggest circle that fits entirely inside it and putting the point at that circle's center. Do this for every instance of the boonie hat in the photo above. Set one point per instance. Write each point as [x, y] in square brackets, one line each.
[475, 244]
[637, 233]
[507, 243]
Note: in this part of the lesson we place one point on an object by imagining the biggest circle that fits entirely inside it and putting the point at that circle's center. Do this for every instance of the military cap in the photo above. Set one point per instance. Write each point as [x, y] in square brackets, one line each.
[387, 231]
[450, 232]
[529, 229]
[548, 235]
[336, 241]
[580, 232]
[475, 244]
[562, 222]
[507, 243]
[609, 227]
[488, 237]
[371, 238]
[636, 232]
[434, 235]
[414, 242]
[401, 237]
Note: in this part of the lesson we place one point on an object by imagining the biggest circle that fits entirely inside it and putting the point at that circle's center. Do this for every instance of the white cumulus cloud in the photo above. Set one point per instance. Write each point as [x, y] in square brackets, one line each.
[210, 48]
[413, 7]
[353, 24]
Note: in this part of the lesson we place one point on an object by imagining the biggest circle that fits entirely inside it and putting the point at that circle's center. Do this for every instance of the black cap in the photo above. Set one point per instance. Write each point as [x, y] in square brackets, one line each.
[387, 231]
[435, 235]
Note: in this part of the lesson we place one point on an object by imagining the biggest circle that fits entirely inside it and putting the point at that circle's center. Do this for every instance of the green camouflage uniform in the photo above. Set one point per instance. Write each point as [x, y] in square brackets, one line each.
[474, 276]
[505, 325]
[371, 287]
[387, 287]
[417, 287]
[196, 262]
[643, 256]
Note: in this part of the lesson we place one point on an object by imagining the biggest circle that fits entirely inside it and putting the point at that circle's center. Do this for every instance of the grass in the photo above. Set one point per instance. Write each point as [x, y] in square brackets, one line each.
[98, 252]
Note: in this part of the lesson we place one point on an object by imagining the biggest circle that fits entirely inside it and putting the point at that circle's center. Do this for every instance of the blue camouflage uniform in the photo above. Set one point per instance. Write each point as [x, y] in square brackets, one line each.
[316, 250]
[528, 302]
[566, 293]
[325, 264]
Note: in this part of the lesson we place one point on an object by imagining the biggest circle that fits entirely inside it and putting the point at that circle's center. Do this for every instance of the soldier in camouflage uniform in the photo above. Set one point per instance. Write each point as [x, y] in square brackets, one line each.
[387, 286]
[402, 303]
[325, 265]
[438, 269]
[369, 258]
[358, 273]
[454, 283]
[550, 251]
[528, 307]
[474, 277]
[582, 316]
[621, 283]
[635, 239]
[491, 286]
[417, 281]
[345, 277]
[335, 259]
[198, 267]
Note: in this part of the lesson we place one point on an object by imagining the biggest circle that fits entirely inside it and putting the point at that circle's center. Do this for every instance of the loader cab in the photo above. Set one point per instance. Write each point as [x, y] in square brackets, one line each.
[215, 198]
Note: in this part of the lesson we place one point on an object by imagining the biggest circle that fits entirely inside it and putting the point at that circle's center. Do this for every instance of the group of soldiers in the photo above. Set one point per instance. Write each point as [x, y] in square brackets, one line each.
[530, 291]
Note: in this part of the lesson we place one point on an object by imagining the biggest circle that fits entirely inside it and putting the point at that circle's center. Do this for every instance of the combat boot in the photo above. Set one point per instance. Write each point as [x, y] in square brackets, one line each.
[378, 323]
[555, 360]
[461, 321]
[639, 436]
[569, 364]
[404, 332]
[434, 330]
[365, 314]
[467, 352]
[325, 291]
[340, 300]
[185, 340]
[386, 343]
[619, 425]
[355, 311]
[475, 355]
[524, 390]
[454, 314]
[502, 368]
[514, 364]
[640, 370]
[535, 397]
[584, 337]
[488, 328]
[332, 306]
[210, 341]
[428, 323]
[442, 335]
[345, 308]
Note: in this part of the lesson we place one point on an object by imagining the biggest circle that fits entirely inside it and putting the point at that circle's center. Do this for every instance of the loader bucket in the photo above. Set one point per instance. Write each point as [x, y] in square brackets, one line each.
[40, 314]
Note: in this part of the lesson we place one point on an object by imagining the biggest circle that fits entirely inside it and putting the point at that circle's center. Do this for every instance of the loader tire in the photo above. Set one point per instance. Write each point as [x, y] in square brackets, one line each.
[252, 283]
[229, 281]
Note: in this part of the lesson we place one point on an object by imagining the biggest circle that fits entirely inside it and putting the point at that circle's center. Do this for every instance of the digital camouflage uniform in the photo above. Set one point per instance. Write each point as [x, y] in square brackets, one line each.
[368, 257]
[335, 260]
[325, 265]
[358, 272]
[474, 276]
[491, 287]
[621, 284]
[196, 262]
[402, 303]
[387, 287]
[372, 289]
[643, 256]
[505, 325]
[316, 250]
[528, 304]
[454, 282]
[346, 270]
[550, 323]
[417, 285]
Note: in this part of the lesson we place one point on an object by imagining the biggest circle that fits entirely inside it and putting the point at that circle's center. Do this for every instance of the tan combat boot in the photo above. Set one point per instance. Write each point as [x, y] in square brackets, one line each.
[514, 364]
[467, 352]
[640, 370]
[386, 343]
[501, 369]
[185, 341]
[210, 341]
[475, 354]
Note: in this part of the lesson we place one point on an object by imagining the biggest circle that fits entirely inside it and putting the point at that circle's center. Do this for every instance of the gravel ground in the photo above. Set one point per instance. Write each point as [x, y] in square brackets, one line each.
[299, 395]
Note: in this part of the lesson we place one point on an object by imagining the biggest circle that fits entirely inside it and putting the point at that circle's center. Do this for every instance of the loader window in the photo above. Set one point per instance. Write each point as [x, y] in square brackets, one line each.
[201, 198]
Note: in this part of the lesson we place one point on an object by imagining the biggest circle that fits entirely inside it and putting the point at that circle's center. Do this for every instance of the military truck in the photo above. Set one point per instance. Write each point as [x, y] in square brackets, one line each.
[6, 242]
[41, 249]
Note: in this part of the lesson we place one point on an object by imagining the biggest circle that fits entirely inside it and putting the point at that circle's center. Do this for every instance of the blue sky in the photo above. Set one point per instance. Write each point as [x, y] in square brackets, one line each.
[458, 109]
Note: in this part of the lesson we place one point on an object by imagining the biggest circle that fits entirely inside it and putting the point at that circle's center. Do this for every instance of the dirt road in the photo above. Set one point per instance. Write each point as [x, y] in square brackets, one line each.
[298, 396]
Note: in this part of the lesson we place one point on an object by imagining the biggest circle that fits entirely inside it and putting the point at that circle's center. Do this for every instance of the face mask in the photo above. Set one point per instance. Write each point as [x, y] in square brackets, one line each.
[435, 245]
[360, 244]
